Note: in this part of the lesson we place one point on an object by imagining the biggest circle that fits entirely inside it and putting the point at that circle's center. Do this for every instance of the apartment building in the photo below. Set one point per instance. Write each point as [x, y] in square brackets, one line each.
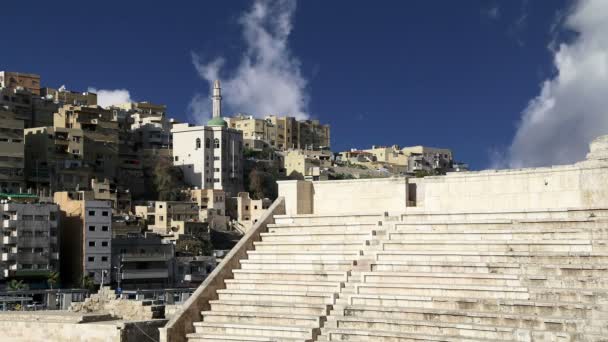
[54, 159]
[101, 138]
[423, 158]
[67, 97]
[86, 237]
[142, 261]
[20, 80]
[281, 132]
[30, 246]
[119, 197]
[246, 211]
[163, 217]
[307, 164]
[12, 147]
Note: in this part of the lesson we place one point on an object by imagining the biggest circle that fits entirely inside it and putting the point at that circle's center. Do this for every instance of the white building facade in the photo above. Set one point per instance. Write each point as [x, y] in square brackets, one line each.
[210, 156]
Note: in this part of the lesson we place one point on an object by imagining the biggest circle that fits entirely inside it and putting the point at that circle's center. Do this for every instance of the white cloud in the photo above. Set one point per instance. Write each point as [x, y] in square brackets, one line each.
[268, 79]
[492, 13]
[571, 110]
[108, 97]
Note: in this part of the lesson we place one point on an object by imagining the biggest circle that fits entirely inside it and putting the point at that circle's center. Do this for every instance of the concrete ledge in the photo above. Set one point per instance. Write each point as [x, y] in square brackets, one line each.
[182, 323]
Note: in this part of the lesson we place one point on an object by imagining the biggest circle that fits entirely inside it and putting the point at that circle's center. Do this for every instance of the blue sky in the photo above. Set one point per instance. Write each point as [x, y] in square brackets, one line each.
[454, 74]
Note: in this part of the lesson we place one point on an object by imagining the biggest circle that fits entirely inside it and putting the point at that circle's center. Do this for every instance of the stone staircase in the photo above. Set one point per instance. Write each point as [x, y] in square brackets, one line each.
[378, 278]
[289, 282]
[477, 281]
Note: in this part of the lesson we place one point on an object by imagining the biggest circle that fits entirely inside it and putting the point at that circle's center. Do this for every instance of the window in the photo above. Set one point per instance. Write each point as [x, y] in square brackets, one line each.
[104, 244]
[91, 259]
[207, 143]
[91, 243]
[91, 212]
[104, 228]
[104, 258]
[91, 228]
[216, 143]
[255, 207]
[27, 217]
[198, 143]
[104, 213]
[246, 207]
[176, 158]
[161, 218]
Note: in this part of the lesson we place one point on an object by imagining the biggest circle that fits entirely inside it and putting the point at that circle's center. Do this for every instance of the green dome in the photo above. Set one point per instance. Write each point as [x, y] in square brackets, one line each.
[217, 122]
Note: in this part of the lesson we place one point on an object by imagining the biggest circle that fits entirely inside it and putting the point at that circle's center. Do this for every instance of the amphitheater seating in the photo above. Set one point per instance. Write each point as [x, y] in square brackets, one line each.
[376, 278]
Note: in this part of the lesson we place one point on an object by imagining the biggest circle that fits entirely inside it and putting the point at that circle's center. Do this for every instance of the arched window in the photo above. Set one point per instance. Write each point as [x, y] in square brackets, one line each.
[198, 143]
[216, 142]
[207, 143]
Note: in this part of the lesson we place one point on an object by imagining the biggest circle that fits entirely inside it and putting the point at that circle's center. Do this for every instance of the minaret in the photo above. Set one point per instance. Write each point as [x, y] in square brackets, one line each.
[217, 99]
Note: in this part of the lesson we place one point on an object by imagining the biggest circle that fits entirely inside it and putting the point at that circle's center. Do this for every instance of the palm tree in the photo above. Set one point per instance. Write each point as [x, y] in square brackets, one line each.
[53, 279]
[16, 285]
[88, 283]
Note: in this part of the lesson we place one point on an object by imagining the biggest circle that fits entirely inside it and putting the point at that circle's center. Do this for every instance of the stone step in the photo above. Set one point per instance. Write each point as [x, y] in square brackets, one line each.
[324, 237]
[506, 225]
[333, 334]
[310, 265]
[505, 306]
[283, 285]
[284, 319]
[445, 266]
[422, 327]
[298, 255]
[563, 246]
[328, 228]
[444, 290]
[335, 276]
[279, 296]
[253, 330]
[309, 246]
[440, 278]
[520, 321]
[496, 235]
[517, 257]
[309, 219]
[240, 338]
[269, 307]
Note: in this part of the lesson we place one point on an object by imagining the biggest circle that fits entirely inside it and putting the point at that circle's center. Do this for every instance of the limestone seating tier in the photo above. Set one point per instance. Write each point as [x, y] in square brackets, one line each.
[371, 278]
[285, 288]
[494, 281]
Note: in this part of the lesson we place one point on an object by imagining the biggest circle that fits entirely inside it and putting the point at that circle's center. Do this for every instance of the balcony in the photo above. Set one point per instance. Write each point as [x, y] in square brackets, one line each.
[195, 277]
[9, 256]
[31, 273]
[145, 274]
[9, 224]
[146, 257]
[55, 256]
[9, 240]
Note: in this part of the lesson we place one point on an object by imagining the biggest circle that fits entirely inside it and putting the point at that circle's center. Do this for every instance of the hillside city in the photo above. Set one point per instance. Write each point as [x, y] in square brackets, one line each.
[127, 197]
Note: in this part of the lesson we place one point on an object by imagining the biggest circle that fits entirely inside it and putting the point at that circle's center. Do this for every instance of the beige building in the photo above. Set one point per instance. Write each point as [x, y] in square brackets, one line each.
[163, 217]
[33, 110]
[30, 246]
[109, 191]
[101, 138]
[67, 97]
[246, 211]
[12, 159]
[54, 159]
[86, 237]
[281, 132]
[17, 80]
[307, 164]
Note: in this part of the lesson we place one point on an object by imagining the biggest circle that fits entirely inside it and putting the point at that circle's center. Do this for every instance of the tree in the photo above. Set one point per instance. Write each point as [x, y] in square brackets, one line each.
[88, 283]
[262, 184]
[53, 279]
[16, 285]
[168, 180]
